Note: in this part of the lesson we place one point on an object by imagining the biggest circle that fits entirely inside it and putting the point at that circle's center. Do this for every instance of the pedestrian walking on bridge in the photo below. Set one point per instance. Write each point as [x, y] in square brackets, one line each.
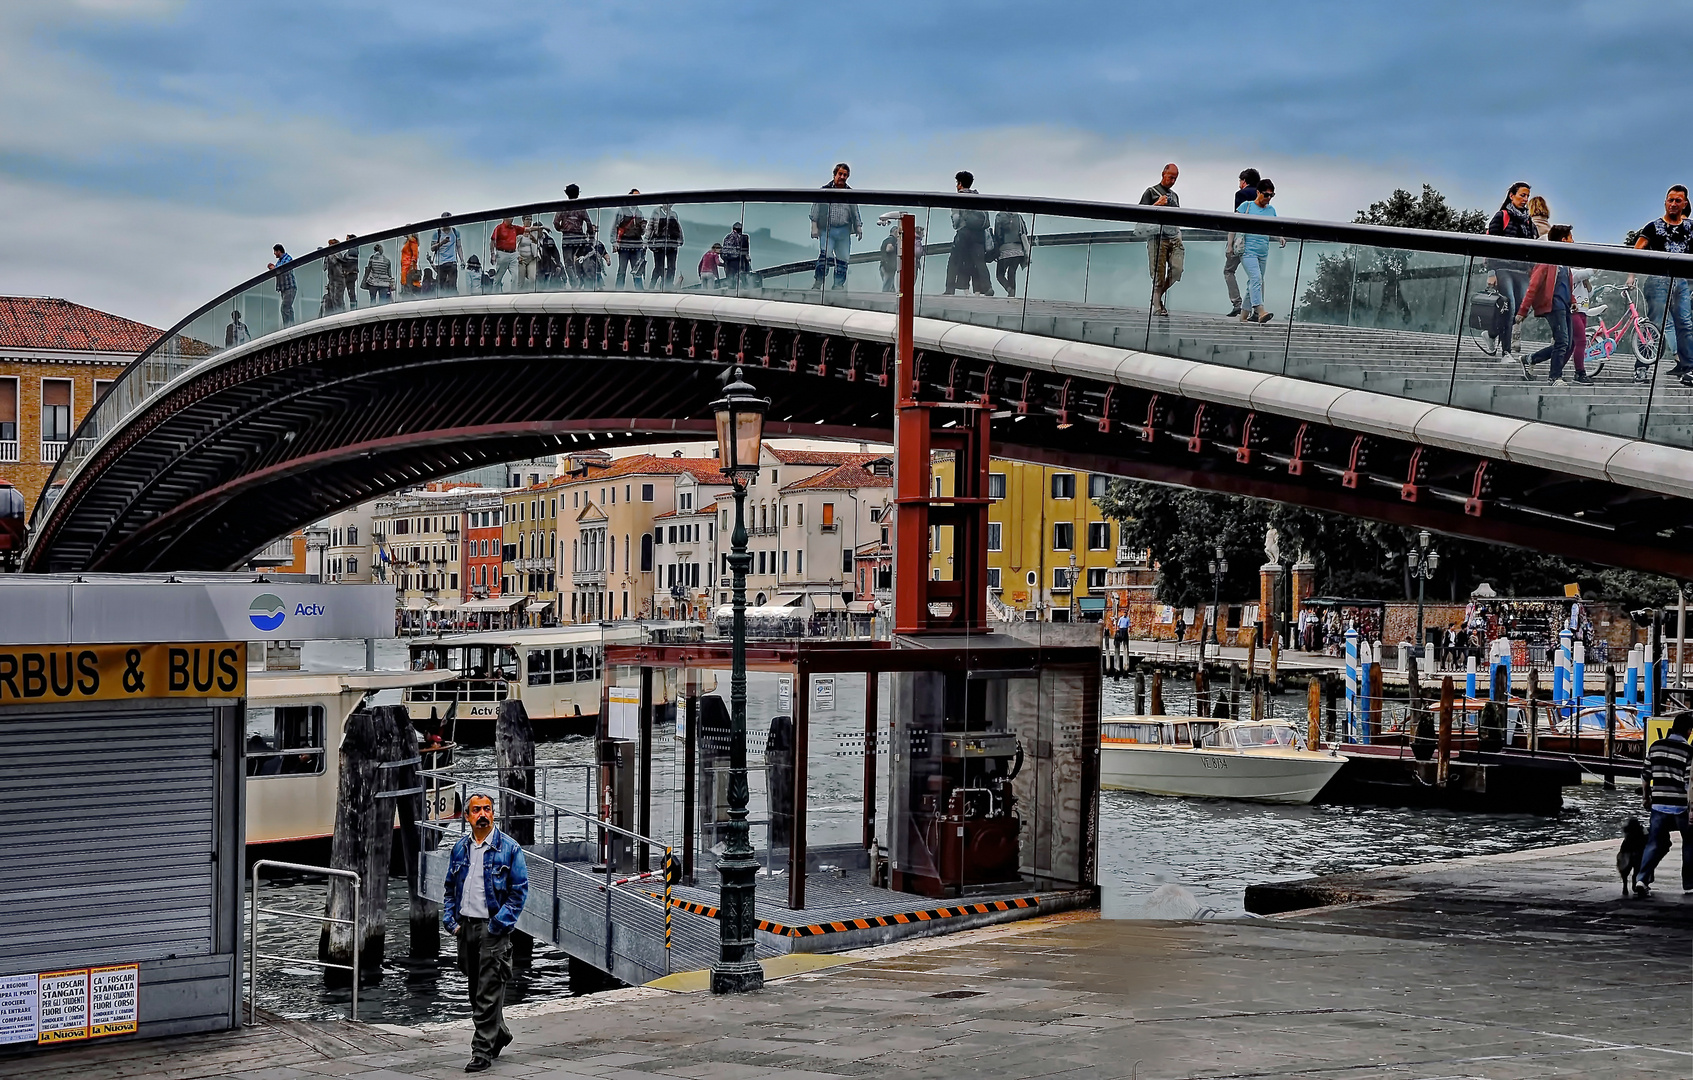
[1164, 253]
[487, 885]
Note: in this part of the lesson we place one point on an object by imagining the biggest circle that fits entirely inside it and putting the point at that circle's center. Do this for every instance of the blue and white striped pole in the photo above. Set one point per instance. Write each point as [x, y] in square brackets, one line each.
[1631, 677]
[1367, 659]
[1578, 681]
[1351, 683]
[1561, 669]
[1469, 676]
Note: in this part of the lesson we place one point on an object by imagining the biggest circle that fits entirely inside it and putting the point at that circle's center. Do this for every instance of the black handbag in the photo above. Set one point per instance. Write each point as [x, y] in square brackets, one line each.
[1485, 308]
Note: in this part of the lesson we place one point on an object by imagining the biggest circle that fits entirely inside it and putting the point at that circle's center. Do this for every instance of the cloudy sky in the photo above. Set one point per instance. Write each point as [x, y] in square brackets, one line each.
[152, 150]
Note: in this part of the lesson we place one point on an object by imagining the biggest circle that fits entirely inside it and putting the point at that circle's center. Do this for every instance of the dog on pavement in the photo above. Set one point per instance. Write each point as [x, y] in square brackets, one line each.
[1628, 856]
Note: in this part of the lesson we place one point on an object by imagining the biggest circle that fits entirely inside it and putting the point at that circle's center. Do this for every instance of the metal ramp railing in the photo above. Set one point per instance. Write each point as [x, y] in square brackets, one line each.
[577, 903]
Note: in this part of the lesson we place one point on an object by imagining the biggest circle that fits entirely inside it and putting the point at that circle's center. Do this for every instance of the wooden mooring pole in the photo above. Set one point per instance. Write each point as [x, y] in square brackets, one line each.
[363, 842]
[1313, 713]
[1443, 755]
[1157, 692]
[1140, 693]
[514, 756]
[1610, 728]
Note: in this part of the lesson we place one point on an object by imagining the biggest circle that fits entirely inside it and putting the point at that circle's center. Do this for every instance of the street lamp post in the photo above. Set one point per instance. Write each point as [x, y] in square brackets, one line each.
[1422, 563]
[1219, 567]
[740, 428]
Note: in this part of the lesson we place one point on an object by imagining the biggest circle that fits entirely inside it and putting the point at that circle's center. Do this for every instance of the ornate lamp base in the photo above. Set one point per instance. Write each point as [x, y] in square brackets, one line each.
[737, 978]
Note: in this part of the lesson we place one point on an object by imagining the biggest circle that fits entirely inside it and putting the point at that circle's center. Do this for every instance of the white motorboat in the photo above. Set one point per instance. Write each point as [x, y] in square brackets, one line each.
[1259, 761]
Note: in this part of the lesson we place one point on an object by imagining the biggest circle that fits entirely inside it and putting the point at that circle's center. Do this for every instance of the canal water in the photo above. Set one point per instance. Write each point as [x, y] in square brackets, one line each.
[1211, 849]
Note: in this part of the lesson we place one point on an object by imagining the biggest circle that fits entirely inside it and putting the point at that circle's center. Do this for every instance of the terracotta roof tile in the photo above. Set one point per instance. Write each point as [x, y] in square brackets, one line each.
[30, 322]
[842, 477]
[821, 457]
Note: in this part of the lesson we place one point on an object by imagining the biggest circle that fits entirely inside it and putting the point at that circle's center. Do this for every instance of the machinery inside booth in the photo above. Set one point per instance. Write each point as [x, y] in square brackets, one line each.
[959, 768]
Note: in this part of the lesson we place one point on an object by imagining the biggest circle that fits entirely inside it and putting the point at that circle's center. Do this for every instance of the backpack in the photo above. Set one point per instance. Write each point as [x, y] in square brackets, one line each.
[632, 228]
[973, 219]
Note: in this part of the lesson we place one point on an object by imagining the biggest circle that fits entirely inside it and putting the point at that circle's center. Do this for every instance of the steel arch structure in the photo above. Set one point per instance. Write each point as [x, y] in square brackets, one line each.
[294, 426]
[197, 456]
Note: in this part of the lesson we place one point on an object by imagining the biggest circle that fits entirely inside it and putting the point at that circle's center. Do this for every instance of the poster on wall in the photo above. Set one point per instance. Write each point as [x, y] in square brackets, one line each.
[1166, 615]
[784, 695]
[623, 715]
[112, 999]
[18, 1007]
[823, 694]
[63, 997]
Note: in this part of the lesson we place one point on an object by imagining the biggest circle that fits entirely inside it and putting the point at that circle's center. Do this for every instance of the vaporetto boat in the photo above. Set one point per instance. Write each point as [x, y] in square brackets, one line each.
[1258, 761]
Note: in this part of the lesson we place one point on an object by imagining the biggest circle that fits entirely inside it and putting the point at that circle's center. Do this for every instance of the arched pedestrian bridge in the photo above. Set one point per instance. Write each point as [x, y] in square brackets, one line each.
[1367, 392]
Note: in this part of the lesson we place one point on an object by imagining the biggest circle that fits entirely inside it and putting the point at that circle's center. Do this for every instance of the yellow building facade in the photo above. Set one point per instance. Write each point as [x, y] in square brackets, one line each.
[1044, 527]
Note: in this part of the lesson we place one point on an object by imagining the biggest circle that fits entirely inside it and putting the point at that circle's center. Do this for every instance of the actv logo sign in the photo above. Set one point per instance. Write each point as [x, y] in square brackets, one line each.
[268, 612]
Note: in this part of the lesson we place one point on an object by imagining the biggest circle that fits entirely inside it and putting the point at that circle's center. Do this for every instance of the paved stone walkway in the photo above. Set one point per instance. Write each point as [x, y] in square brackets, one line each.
[1493, 969]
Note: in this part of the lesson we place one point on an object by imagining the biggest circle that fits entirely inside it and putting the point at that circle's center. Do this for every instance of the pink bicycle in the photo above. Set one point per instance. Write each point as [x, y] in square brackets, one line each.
[1603, 340]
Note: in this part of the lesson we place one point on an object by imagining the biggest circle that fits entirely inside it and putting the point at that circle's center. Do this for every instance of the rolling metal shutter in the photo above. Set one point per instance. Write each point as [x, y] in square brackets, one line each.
[109, 834]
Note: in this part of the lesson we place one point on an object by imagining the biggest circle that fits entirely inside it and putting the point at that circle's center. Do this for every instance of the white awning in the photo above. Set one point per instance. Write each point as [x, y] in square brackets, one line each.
[539, 605]
[499, 603]
[416, 603]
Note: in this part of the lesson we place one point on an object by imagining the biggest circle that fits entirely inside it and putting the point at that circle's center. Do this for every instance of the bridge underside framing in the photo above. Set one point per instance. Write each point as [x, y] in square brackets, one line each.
[301, 424]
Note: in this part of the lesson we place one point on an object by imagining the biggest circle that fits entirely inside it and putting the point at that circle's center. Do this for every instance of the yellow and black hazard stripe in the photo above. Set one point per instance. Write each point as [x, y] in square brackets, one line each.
[900, 919]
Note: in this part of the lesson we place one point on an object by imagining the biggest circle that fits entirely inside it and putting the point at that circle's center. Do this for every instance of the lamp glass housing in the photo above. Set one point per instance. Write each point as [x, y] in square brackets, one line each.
[740, 427]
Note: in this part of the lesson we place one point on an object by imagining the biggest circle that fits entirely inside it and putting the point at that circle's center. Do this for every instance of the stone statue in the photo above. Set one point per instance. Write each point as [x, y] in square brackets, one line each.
[1272, 544]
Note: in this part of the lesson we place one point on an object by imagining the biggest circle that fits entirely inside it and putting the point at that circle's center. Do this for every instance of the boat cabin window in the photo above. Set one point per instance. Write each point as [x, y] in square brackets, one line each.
[1178, 734]
[428, 658]
[538, 666]
[286, 740]
[1266, 735]
[1135, 733]
[1217, 739]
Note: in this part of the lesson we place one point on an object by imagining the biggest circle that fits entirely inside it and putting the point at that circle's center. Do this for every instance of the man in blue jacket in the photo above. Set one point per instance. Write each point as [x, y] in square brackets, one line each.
[487, 884]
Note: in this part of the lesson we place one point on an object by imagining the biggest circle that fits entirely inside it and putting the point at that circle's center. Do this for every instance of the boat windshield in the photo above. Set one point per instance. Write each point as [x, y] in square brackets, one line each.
[1273, 735]
[1135, 733]
[469, 661]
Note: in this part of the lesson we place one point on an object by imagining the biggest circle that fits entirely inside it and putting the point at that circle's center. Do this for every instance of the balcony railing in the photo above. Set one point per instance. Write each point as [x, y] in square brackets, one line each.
[52, 451]
[8, 450]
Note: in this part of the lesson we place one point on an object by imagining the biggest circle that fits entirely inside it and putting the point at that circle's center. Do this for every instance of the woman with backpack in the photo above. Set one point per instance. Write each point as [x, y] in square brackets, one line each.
[1507, 276]
[378, 278]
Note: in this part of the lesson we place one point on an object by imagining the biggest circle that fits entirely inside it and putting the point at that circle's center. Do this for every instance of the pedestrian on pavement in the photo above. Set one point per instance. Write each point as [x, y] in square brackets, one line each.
[446, 248]
[1673, 232]
[576, 232]
[1551, 295]
[664, 238]
[286, 286]
[967, 266]
[1236, 246]
[1508, 276]
[1664, 794]
[237, 332]
[1164, 254]
[502, 254]
[737, 256]
[487, 885]
[378, 278]
[346, 263]
[529, 253]
[1010, 246]
[834, 225]
[1255, 252]
[1181, 628]
[1122, 631]
[1540, 212]
[629, 240]
[410, 279]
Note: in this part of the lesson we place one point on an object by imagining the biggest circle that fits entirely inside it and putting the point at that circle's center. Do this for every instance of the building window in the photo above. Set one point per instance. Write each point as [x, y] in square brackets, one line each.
[646, 553]
[1096, 578]
[9, 414]
[799, 562]
[684, 501]
[1099, 536]
[828, 517]
[784, 515]
[55, 410]
[996, 485]
[352, 535]
[352, 564]
[1097, 483]
[994, 536]
[993, 577]
[1064, 485]
[784, 561]
[846, 561]
[1060, 579]
[1063, 536]
[773, 479]
[646, 493]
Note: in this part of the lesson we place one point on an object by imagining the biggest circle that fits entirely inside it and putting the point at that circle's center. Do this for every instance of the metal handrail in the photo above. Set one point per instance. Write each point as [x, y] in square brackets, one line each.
[253, 932]
[556, 810]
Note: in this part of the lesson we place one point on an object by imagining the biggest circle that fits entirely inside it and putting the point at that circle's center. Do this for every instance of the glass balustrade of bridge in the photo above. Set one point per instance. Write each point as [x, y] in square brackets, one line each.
[1419, 325]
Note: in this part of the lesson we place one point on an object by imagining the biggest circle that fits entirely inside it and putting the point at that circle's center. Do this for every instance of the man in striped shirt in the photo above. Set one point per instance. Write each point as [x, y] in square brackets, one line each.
[1665, 790]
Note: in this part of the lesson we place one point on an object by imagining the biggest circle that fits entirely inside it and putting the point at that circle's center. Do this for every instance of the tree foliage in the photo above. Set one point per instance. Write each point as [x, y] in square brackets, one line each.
[1354, 557]
[1365, 286]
